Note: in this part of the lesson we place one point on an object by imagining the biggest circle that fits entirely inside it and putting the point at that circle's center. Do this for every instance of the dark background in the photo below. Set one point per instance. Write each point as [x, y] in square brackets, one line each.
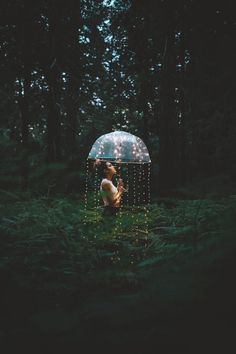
[74, 70]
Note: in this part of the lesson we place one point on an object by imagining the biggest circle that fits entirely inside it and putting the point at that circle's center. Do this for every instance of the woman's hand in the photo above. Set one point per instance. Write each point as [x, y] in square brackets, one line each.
[120, 186]
[120, 189]
[120, 182]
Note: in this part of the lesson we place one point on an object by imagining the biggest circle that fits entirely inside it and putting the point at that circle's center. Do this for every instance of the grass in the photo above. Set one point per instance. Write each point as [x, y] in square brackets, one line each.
[55, 238]
[71, 258]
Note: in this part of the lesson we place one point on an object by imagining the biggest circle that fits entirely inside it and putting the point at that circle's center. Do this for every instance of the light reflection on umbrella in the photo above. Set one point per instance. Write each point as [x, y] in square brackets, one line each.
[120, 147]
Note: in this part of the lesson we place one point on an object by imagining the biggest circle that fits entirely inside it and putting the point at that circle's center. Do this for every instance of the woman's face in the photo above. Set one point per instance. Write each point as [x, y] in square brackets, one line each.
[110, 168]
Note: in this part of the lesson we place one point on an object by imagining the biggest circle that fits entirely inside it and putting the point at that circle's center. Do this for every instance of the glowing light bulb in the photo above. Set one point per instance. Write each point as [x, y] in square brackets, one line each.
[86, 197]
[127, 184]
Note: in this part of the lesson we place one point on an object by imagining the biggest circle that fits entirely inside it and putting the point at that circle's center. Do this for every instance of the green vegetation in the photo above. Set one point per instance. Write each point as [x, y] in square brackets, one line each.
[152, 277]
[53, 244]
[66, 270]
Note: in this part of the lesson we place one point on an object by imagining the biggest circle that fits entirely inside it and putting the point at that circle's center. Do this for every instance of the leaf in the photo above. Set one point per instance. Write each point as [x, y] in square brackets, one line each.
[150, 261]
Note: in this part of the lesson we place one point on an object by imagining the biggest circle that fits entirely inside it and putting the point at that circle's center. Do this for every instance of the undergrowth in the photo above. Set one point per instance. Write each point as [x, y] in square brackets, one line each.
[55, 246]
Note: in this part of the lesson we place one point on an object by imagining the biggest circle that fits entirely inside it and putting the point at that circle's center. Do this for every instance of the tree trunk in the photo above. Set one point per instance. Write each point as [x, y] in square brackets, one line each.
[53, 128]
[25, 46]
[52, 74]
[167, 117]
[74, 69]
[71, 131]
[182, 99]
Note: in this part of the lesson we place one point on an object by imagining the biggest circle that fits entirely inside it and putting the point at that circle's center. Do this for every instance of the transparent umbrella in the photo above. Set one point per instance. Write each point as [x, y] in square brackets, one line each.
[131, 155]
[120, 147]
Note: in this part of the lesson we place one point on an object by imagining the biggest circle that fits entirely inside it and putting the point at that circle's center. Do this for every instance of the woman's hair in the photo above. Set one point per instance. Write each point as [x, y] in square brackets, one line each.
[101, 167]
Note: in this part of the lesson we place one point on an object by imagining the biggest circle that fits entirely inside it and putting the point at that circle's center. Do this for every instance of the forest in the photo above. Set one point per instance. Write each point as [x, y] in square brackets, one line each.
[158, 276]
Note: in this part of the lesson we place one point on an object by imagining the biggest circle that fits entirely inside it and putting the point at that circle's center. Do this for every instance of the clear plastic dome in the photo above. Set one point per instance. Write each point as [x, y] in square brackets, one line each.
[120, 147]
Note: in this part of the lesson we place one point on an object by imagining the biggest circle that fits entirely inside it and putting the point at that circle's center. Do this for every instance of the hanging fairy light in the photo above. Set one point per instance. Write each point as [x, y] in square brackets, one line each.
[139, 183]
[134, 185]
[148, 192]
[95, 188]
[118, 227]
[95, 192]
[86, 186]
[127, 183]
[145, 200]
[136, 201]
[134, 152]
[86, 194]
[119, 219]
[96, 196]
[144, 193]
[139, 177]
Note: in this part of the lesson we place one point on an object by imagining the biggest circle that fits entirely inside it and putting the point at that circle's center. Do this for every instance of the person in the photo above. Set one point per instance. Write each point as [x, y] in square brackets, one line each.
[111, 194]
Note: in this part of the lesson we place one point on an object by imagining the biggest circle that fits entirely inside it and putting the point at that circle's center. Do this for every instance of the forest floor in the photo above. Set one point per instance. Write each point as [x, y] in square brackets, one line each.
[152, 279]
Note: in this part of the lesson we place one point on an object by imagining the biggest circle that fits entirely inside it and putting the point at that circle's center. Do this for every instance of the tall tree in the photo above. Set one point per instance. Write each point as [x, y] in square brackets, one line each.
[51, 59]
[167, 115]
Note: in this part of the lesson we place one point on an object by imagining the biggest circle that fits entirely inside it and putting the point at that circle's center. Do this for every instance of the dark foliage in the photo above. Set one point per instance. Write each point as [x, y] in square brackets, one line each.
[73, 70]
[158, 277]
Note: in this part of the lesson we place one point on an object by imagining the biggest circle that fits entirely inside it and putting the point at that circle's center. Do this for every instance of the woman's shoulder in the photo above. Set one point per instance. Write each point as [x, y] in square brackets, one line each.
[105, 181]
[106, 184]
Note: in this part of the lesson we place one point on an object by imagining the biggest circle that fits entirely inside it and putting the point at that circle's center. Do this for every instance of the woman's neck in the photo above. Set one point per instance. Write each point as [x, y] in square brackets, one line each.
[108, 177]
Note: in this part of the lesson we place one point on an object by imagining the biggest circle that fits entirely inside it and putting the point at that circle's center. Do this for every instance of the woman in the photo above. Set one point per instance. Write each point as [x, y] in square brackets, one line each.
[111, 194]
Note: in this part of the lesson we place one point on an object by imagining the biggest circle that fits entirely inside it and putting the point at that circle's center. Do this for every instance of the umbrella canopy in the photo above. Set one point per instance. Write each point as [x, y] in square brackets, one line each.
[120, 147]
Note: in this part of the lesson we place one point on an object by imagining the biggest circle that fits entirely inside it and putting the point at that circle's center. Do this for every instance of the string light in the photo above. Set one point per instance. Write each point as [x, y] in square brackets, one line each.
[139, 156]
[136, 201]
[134, 187]
[145, 200]
[119, 220]
[100, 153]
[86, 195]
[148, 193]
[127, 184]
[95, 194]
[97, 186]
[139, 183]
